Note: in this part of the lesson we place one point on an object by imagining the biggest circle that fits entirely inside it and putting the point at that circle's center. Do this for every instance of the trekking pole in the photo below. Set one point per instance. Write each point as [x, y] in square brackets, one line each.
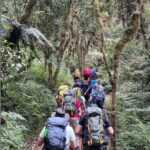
[87, 91]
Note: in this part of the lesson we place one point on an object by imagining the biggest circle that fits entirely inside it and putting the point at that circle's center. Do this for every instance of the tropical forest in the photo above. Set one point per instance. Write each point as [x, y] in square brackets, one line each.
[47, 44]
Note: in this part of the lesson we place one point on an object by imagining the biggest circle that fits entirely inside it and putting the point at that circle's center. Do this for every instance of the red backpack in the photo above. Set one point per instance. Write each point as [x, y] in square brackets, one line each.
[86, 71]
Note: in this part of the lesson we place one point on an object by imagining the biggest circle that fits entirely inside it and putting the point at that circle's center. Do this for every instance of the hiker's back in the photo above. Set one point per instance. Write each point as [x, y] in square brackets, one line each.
[97, 93]
[92, 128]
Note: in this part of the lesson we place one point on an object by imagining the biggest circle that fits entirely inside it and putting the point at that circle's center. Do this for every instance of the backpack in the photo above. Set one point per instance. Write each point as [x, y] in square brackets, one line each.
[92, 83]
[77, 73]
[62, 90]
[77, 91]
[70, 102]
[56, 138]
[94, 124]
[93, 73]
[86, 71]
[78, 83]
[98, 95]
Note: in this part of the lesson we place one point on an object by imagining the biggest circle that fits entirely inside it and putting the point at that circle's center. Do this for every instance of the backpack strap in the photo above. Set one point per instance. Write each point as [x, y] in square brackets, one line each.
[64, 130]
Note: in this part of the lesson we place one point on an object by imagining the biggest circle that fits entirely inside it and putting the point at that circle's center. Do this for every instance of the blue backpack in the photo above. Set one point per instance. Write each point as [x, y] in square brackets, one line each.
[56, 138]
[92, 83]
[98, 94]
[93, 73]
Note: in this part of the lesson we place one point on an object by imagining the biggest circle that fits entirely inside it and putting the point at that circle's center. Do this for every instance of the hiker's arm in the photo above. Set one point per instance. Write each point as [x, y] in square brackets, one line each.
[80, 126]
[73, 144]
[40, 141]
[78, 130]
[72, 139]
[108, 126]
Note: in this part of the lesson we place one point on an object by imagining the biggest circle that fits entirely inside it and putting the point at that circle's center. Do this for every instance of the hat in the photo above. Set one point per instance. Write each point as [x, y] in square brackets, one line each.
[60, 112]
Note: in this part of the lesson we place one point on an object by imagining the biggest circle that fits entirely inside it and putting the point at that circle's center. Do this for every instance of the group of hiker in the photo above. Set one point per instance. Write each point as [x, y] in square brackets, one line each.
[80, 122]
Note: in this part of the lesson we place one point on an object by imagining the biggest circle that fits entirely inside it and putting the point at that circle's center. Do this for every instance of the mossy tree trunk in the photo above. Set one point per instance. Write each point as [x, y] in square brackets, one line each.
[132, 27]
[64, 41]
[28, 12]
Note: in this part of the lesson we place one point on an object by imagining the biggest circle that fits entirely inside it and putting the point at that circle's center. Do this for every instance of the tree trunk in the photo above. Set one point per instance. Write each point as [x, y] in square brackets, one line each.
[132, 27]
[63, 44]
[28, 12]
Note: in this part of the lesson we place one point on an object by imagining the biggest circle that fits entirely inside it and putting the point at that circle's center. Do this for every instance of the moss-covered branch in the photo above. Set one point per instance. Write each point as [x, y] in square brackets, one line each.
[103, 47]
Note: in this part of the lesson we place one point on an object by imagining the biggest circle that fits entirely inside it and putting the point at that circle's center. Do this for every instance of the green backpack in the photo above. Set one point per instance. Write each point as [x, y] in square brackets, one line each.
[70, 102]
[94, 114]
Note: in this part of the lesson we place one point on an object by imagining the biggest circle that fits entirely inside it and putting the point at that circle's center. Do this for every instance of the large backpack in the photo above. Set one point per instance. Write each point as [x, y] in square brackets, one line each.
[92, 82]
[77, 73]
[77, 91]
[93, 73]
[78, 83]
[86, 71]
[56, 138]
[94, 114]
[98, 95]
[70, 102]
[62, 90]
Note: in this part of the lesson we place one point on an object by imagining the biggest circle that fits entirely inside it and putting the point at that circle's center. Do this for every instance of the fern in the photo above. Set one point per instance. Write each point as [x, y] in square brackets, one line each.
[12, 137]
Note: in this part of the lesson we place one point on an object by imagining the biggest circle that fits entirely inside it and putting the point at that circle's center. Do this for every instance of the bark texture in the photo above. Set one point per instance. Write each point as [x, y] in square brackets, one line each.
[28, 12]
[132, 27]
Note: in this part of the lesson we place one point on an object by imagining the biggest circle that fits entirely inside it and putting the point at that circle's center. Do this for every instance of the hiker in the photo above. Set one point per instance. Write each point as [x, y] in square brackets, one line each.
[60, 96]
[93, 128]
[97, 94]
[77, 78]
[63, 88]
[72, 106]
[57, 134]
[86, 73]
[92, 76]
[86, 83]
[81, 99]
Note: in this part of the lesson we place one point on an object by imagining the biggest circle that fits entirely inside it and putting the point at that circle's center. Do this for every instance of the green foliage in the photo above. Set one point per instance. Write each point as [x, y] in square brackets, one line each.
[64, 76]
[133, 133]
[11, 61]
[32, 100]
[39, 73]
[12, 137]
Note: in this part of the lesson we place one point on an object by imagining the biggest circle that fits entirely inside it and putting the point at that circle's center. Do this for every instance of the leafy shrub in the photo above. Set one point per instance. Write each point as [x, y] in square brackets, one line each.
[12, 132]
[132, 133]
[32, 100]
[133, 127]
